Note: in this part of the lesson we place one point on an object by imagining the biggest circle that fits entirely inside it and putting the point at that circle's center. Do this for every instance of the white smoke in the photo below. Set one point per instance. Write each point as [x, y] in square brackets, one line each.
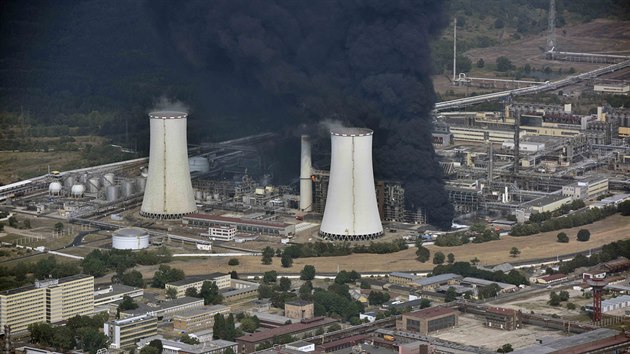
[166, 104]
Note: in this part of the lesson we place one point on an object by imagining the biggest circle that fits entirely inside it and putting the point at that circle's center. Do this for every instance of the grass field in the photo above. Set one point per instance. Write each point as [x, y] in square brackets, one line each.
[608, 230]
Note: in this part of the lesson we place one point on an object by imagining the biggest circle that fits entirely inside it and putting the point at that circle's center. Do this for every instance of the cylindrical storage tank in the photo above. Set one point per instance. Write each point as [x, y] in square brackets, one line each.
[130, 238]
[108, 179]
[198, 195]
[84, 178]
[140, 183]
[68, 182]
[77, 190]
[198, 164]
[112, 193]
[94, 184]
[54, 188]
[351, 212]
[168, 193]
[127, 188]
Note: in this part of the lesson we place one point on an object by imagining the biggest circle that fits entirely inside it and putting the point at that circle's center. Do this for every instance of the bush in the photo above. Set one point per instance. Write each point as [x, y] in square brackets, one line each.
[562, 237]
[233, 262]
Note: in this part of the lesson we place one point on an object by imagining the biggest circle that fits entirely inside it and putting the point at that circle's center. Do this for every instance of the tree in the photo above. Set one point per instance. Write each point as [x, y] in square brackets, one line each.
[422, 253]
[306, 290]
[210, 293]
[505, 348]
[554, 299]
[149, 350]
[377, 298]
[191, 292]
[26, 223]
[233, 274]
[504, 64]
[267, 255]
[58, 227]
[286, 261]
[475, 261]
[131, 278]
[285, 284]
[308, 273]
[450, 258]
[583, 235]
[624, 208]
[438, 258]
[424, 303]
[127, 304]
[233, 262]
[188, 339]
[498, 23]
[63, 338]
[171, 293]
[514, 252]
[564, 295]
[451, 294]
[165, 274]
[270, 277]
[157, 344]
[250, 324]
[481, 63]
[562, 237]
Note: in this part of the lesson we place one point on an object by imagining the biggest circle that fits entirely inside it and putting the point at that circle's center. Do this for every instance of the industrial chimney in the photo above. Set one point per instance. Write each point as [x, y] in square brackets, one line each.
[168, 192]
[351, 212]
[306, 184]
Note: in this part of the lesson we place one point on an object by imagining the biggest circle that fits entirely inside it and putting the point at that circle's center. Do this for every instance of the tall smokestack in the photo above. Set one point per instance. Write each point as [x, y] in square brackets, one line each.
[306, 185]
[351, 212]
[168, 192]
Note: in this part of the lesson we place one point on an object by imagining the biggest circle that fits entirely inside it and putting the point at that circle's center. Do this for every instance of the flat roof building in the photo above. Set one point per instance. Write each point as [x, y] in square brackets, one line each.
[221, 279]
[243, 225]
[124, 333]
[436, 281]
[218, 346]
[428, 320]
[198, 319]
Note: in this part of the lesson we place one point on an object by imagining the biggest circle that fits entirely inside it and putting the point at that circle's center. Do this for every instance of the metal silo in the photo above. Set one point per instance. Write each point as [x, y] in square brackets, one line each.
[141, 183]
[68, 182]
[168, 193]
[351, 212]
[108, 179]
[93, 185]
[127, 188]
[112, 193]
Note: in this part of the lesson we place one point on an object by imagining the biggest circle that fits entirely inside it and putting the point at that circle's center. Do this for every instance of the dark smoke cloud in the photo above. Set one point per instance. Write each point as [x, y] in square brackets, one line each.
[360, 62]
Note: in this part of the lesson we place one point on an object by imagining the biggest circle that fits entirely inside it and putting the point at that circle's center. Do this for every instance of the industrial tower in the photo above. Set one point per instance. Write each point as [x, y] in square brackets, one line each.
[168, 193]
[598, 290]
[351, 212]
[551, 36]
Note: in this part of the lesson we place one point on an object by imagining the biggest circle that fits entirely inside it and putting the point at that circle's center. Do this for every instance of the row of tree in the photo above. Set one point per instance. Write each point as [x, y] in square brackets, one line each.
[80, 332]
[564, 222]
[98, 263]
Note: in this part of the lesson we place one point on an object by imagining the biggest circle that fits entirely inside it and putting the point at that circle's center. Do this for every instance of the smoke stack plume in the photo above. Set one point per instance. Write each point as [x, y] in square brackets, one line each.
[363, 63]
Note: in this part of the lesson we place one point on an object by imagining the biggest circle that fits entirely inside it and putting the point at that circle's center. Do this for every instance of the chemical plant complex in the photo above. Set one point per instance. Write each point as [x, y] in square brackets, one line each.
[241, 264]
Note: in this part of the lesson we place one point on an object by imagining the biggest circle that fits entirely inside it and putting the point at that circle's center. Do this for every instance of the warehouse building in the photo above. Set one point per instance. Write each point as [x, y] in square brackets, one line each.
[502, 318]
[242, 225]
[434, 282]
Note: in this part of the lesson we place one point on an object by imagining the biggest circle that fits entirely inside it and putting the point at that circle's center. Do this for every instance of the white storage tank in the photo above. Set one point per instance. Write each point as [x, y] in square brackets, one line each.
[111, 193]
[108, 179]
[130, 238]
[127, 188]
[54, 188]
[140, 183]
[77, 190]
[94, 184]
[198, 164]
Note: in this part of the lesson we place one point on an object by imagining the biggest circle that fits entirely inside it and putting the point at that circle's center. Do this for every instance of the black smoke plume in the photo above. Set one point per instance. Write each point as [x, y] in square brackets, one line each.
[361, 62]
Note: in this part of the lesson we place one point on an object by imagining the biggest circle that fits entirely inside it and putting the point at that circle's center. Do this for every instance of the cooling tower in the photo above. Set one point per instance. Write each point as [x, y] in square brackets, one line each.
[168, 192]
[351, 212]
[306, 185]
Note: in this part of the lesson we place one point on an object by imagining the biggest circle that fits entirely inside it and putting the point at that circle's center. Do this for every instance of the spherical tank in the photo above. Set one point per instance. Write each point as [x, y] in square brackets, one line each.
[54, 188]
[169, 193]
[108, 179]
[68, 182]
[130, 238]
[111, 193]
[77, 190]
[93, 185]
[127, 188]
[198, 164]
[140, 183]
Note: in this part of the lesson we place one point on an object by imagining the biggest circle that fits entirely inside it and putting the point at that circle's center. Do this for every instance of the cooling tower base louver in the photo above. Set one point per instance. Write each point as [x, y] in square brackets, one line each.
[335, 237]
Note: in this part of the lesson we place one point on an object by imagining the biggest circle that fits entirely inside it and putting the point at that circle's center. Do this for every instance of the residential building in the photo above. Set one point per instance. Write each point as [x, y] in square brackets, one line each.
[299, 309]
[50, 300]
[221, 279]
[126, 332]
[165, 309]
[239, 289]
[197, 319]
[428, 320]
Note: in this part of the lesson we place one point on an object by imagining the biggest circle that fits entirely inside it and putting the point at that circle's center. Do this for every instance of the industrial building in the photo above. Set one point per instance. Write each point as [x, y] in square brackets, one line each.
[351, 212]
[168, 193]
[126, 332]
[299, 309]
[50, 300]
[218, 346]
[252, 226]
[431, 283]
[130, 238]
[502, 318]
[164, 309]
[428, 320]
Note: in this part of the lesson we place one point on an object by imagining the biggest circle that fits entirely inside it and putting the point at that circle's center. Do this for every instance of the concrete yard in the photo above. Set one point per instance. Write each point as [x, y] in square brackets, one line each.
[471, 331]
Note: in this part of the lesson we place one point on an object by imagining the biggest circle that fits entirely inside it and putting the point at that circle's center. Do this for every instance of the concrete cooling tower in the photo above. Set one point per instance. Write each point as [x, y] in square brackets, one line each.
[168, 192]
[351, 212]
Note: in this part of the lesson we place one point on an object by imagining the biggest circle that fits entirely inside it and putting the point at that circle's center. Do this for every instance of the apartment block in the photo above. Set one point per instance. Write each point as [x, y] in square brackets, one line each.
[221, 279]
[125, 333]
